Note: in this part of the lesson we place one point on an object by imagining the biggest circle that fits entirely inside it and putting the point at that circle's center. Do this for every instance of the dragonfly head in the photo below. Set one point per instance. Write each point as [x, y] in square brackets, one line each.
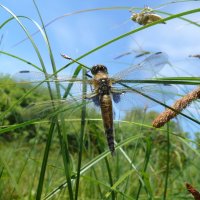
[99, 68]
[134, 16]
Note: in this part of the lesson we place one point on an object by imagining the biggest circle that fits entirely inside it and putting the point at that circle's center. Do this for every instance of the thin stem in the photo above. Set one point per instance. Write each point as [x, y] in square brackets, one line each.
[147, 157]
[44, 163]
[83, 117]
[168, 160]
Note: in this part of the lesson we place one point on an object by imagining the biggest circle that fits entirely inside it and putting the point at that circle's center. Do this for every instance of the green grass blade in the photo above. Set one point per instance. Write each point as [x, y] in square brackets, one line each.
[159, 102]
[74, 13]
[187, 142]
[11, 175]
[19, 101]
[135, 31]
[182, 18]
[95, 181]
[130, 161]
[48, 47]
[118, 182]
[165, 81]
[93, 162]
[167, 164]
[44, 162]
[110, 179]
[180, 78]
[66, 160]
[27, 33]
[75, 74]
[83, 116]
[106, 9]
[21, 59]
[35, 48]
[147, 158]
[16, 126]
[63, 140]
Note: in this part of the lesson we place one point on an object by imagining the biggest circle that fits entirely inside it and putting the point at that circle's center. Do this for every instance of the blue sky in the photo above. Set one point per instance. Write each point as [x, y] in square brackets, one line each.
[77, 34]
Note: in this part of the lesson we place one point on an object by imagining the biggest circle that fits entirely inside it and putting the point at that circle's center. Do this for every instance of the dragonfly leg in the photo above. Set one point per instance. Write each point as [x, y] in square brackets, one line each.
[91, 95]
[94, 97]
[88, 75]
[116, 93]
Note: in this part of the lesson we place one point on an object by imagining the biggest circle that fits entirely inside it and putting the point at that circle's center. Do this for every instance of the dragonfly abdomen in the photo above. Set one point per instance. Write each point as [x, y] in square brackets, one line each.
[107, 116]
[110, 140]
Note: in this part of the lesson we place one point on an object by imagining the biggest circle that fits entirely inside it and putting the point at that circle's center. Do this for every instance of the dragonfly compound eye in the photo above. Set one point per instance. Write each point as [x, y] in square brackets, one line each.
[99, 68]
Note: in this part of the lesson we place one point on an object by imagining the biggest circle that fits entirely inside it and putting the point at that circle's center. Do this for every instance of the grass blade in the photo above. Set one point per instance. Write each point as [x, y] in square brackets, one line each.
[135, 31]
[167, 164]
[83, 116]
[23, 60]
[147, 158]
[44, 162]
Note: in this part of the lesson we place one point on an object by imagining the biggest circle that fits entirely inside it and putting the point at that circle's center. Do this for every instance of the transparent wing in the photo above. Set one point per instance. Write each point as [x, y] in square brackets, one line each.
[139, 54]
[51, 108]
[148, 68]
[46, 109]
[36, 77]
[33, 77]
[134, 97]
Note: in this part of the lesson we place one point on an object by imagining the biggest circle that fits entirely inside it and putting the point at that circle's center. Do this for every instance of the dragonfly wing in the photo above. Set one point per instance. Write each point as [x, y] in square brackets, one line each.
[138, 96]
[51, 108]
[148, 68]
[45, 109]
[28, 76]
[33, 77]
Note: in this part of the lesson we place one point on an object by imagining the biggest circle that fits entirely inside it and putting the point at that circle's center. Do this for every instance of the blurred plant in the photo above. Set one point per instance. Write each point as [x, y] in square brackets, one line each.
[10, 93]
[193, 191]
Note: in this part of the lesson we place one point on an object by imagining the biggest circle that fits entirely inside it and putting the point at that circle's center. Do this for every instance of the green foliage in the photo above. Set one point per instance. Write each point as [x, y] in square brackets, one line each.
[11, 91]
[94, 143]
[10, 94]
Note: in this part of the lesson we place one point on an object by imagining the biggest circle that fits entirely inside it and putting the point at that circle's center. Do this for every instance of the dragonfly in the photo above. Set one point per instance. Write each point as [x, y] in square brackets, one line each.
[121, 90]
[146, 16]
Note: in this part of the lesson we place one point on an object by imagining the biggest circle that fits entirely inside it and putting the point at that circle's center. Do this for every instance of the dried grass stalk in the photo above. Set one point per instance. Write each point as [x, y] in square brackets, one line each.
[193, 191]
[178, 106]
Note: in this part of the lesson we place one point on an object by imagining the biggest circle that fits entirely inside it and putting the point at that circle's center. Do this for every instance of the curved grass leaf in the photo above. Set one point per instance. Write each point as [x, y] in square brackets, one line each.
[21, 59]
[91, 163]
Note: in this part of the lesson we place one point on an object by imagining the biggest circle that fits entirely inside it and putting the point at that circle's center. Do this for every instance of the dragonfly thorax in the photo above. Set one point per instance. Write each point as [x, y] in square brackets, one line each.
[104, 86]
[99, 68]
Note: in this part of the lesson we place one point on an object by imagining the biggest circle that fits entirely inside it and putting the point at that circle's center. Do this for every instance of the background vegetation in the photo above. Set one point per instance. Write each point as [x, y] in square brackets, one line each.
[65, 156]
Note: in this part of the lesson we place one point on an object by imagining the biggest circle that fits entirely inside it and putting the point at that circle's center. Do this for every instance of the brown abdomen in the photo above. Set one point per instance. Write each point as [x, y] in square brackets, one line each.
[107, 116]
